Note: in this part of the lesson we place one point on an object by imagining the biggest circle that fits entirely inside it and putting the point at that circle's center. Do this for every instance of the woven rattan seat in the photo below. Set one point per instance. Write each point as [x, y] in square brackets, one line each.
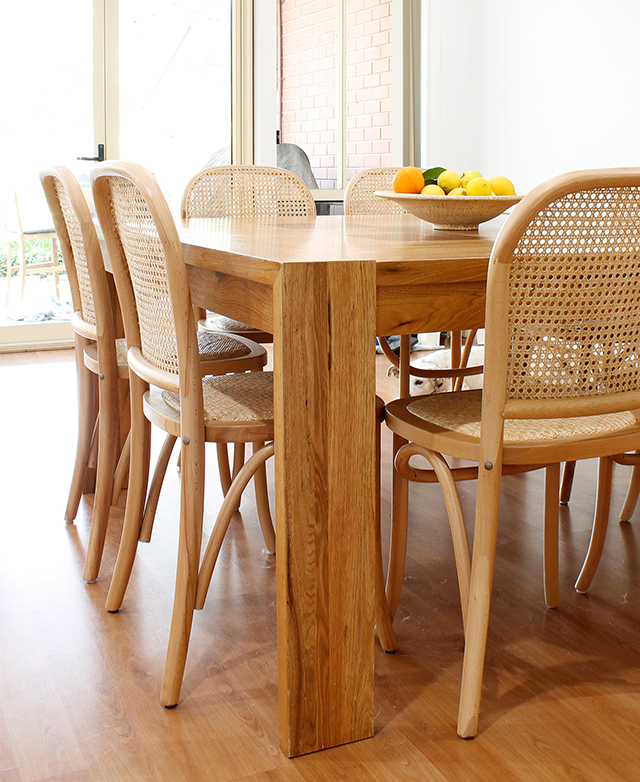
[464, 413]
[245, 191]
[159, 319]
[561, 383]
[92, 362]
[237, 398]
[222, 323]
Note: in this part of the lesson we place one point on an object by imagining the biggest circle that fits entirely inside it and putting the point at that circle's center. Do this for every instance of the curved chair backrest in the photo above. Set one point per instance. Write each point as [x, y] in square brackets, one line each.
[149, 270]
[81, 253]
[563, 311]
[247, 191]
[359, 198]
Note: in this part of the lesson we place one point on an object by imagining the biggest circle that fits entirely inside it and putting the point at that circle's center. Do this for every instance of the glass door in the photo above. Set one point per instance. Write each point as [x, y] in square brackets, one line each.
[46, 80]
[175, 88]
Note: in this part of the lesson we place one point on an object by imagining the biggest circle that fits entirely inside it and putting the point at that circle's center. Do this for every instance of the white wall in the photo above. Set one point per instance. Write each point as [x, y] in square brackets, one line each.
[531, 89]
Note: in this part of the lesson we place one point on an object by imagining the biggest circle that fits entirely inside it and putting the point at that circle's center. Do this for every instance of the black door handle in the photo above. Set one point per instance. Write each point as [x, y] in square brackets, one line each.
[100, 157]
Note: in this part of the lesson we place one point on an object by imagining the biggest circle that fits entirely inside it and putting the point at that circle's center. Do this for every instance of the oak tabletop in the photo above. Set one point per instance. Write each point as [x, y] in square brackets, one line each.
[333, 238]
[426, 279]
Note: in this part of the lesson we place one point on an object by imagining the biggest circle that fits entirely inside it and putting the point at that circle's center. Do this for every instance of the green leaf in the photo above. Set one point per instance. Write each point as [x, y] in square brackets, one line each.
[431, 175]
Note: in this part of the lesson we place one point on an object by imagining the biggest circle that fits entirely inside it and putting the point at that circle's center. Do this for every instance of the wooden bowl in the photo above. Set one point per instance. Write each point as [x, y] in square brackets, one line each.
[451, 213]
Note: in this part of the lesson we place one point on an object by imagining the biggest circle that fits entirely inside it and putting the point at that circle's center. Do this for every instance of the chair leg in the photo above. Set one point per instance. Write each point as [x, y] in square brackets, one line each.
[189, 544]
[122, 470]
[383, 618]
[22, 260]
[227, 509]
[599, 529]
[136, 496]
[550, 534]
[632, 494]
[454, 512]
[223, 466]
[484, 552]
[238, 457]
[9, 268]
[399, 523]
[382, 614]
[54, 262]
[109, 437]
[154, 489]
[262, 503]
[567, 482]
[87, 415]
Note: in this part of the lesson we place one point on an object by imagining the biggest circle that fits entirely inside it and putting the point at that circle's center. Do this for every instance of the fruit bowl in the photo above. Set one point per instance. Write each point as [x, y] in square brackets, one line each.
[452, 213]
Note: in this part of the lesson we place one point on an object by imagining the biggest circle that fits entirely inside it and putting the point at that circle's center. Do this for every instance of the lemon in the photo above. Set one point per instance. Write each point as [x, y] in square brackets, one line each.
[468, 176]
[448, 180]
[500, 185]
[457, 191]
[478, 187]
[432, 190]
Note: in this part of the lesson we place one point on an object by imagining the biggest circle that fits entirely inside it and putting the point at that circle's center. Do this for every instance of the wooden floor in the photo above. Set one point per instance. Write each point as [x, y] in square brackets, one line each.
[79, 688]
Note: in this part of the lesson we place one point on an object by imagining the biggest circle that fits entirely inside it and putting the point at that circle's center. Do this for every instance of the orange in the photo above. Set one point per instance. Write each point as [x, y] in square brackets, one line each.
[408, 180]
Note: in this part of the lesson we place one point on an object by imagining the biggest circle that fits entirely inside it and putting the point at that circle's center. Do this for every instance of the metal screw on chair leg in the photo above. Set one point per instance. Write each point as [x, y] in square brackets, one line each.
[488, 466]
[101, 376]
[185, 440]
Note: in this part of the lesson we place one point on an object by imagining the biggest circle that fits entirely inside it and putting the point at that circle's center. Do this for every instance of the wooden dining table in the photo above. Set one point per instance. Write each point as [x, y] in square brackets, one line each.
[324, 288]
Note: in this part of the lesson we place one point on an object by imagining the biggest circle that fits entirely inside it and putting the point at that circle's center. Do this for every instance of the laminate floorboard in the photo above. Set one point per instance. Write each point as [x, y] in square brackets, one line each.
[79, 688]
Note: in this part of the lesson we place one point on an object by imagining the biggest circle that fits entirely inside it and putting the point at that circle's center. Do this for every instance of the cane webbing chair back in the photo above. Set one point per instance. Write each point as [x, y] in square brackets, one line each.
[71, 220]
[147, 265]
[359, 198]
[574, 308]
[247, 191]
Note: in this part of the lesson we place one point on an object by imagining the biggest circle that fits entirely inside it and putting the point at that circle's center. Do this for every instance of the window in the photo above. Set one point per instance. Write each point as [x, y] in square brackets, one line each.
[335, 90]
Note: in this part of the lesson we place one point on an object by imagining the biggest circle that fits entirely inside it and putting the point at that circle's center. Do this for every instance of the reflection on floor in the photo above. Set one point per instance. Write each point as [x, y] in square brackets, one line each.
[79, 688]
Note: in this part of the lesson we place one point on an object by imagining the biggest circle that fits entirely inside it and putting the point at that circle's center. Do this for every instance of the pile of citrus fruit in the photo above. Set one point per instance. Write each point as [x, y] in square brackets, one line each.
[444, 181]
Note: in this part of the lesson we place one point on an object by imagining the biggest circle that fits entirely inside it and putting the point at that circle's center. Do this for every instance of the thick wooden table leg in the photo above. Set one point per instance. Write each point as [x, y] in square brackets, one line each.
[325, 461]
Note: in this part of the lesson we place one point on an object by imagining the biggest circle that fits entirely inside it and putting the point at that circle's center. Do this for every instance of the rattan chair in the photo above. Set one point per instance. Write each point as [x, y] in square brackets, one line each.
[103, 371]
[245, 191]
[167, 390]
[359, 198]
[12, 231]
[167, 387]
[561, 380]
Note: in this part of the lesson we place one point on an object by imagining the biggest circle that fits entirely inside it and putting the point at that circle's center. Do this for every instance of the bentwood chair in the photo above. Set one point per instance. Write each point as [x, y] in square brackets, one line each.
[561, 378]
[101, 368]
[167, 387]
[171, 393]
[243, 191]
[13, 231]
[360, 199]
[103, 371]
